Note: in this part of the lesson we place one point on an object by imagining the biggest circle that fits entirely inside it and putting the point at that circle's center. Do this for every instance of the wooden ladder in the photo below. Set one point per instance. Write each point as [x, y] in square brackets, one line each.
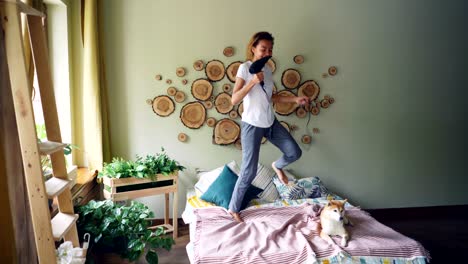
[62, 225]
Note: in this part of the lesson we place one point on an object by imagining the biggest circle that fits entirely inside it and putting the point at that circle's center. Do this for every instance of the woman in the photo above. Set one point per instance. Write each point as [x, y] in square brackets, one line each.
[258, 119]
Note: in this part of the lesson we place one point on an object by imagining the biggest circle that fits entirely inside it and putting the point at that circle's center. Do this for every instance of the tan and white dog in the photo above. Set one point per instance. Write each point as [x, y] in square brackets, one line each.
[332, 220]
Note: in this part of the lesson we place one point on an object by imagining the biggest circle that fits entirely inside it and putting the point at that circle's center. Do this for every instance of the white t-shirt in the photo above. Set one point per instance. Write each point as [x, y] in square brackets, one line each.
[258, 109]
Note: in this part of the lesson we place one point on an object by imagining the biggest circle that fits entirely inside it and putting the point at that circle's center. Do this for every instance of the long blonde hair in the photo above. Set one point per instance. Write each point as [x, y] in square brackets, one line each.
[262, 35]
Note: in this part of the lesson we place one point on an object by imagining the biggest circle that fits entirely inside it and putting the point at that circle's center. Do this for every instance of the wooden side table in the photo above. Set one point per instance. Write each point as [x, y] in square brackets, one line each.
[131, 188]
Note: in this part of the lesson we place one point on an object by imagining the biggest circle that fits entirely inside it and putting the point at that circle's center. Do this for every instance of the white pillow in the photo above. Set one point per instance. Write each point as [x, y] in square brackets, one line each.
[206, 178]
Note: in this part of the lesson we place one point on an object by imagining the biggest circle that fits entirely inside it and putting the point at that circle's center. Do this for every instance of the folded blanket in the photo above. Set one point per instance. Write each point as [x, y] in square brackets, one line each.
[291, 235]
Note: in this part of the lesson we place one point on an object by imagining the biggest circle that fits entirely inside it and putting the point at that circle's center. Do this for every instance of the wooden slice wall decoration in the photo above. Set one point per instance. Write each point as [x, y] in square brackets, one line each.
[272, 64]
[228, 51]
[180, 72]
[184, 81]
[286, 125]
[179, 96]
[198, 65]
[298, 59]
[332, 70]
[214, 70]
[171, 91]
[285, 108]
[315, 110]
[231, 70]
[238, 144]
[211, 122]
[301, 112]
[223, 103]
[331, 100]
[193, 115]
[182, 137]
[226, 132]
[227, 87]
[163, 105]
[168, 81]
[158, 77]
[240, 109]
[208, 104]
[202, 89]
[324, 103]
[291, 78]
[310, 89]
[233, 114]
[306, 139]
[294, 128]
[149, 101]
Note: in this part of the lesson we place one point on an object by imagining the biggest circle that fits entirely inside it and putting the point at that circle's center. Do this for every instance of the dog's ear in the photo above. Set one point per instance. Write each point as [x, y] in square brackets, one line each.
[345, 200]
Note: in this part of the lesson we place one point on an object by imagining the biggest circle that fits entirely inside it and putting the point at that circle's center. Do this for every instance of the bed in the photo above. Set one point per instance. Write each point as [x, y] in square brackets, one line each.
[284, 228]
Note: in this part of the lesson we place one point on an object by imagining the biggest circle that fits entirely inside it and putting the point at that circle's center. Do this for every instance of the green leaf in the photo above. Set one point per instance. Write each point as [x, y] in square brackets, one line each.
[152, 257]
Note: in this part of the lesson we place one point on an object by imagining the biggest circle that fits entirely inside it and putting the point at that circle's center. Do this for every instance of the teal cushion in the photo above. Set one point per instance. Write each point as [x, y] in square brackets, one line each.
[220, 191]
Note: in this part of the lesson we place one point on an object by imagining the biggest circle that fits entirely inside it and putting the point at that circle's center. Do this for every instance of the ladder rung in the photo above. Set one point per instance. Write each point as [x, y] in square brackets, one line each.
[55, 186]
[49, 147]
[61, 223]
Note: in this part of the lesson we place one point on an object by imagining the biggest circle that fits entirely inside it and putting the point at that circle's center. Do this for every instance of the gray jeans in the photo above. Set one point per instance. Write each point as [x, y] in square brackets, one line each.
[251, 138]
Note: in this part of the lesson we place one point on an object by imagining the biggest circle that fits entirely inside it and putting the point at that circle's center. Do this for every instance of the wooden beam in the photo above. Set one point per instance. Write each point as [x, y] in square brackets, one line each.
[27, 132]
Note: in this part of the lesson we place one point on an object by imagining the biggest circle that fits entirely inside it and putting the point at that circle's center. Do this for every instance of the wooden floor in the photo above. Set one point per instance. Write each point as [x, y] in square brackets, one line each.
[444, 236]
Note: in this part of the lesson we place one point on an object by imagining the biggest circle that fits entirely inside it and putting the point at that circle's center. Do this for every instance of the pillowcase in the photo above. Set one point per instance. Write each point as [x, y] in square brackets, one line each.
[263, 180]
[206, 178]
[311, 187]
[220, 191]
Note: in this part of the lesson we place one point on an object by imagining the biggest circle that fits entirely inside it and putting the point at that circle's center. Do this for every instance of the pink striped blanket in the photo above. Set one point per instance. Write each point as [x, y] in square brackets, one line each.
[291, 235]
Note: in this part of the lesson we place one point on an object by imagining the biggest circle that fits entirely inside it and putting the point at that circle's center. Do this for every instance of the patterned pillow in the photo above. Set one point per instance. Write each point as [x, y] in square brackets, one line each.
[263, 180]
[206, 178]
[311, 187]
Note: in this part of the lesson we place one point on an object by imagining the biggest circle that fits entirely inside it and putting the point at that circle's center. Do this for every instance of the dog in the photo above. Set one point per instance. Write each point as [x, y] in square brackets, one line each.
[333, 221]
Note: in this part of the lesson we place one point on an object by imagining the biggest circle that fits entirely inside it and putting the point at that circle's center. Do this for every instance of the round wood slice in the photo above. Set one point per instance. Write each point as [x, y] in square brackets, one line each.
[171, 91]
[182, 137]
[285, 108]
[233, 114]
[226, 132]
[168, 81]
[180, 72]
[198, 65]
[315, 110]
[193, 115]
[214, 70]
[310, 89]
[184, 81]
[331, 100]
[158, 77]
[332, 70]
[272, 64]
[163, 105]
[301, 112]
[179, 97]
[208, 104]
[306, 139]
[223, 103]
[291, 78]
[211, 122]
[316, 130]
[286, 125]
[326, 97]
[294, 128]
[231, 70]
[149, 101]
[227, 87]
[240, 109]
[228, 51]
[202, 89]
[238, 144]
[298, 59]
[324, 103]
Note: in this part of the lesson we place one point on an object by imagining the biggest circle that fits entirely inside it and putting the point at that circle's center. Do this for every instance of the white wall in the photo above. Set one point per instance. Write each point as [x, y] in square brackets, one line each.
[395, 136]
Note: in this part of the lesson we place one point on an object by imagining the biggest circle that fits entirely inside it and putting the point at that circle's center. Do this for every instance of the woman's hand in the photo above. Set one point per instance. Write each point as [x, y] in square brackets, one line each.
[257, 78]
[302, 100]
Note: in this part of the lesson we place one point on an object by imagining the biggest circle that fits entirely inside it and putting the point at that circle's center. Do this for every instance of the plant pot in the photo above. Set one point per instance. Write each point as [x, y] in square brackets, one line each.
[131, 188]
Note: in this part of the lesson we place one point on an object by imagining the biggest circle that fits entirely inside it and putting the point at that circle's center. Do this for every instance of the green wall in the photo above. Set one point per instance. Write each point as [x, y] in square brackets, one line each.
[396, 135]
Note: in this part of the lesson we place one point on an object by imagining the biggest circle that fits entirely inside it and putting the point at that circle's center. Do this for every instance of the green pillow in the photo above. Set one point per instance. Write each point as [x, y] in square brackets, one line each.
[220, 191]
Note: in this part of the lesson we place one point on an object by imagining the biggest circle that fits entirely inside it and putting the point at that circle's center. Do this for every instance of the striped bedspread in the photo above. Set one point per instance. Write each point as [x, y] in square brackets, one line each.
[291, 235]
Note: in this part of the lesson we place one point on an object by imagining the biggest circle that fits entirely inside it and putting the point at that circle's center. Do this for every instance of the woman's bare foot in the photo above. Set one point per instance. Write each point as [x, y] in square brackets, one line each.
[281, 176]
[236, 217]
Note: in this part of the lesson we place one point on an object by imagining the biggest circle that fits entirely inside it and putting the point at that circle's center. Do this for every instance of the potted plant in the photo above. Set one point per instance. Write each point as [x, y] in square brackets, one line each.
[122, 230]
[124, 178]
